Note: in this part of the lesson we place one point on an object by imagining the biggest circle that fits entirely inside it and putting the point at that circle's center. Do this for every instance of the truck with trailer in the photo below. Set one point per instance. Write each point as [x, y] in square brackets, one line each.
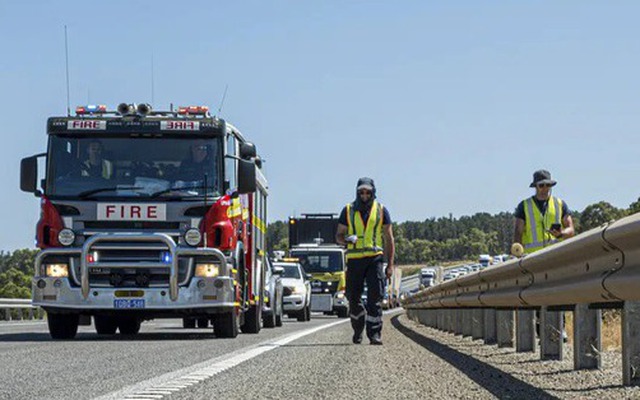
[312, 242]
[148, 214]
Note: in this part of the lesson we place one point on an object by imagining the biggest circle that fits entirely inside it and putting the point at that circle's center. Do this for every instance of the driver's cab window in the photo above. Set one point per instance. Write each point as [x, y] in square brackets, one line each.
[231, 180]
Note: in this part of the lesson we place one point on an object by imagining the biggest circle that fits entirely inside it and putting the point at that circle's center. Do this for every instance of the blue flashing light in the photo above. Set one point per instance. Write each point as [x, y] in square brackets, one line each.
[166, 257]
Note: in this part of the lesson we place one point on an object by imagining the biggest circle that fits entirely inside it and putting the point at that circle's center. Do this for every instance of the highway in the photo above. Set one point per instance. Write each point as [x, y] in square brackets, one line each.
[300, 360]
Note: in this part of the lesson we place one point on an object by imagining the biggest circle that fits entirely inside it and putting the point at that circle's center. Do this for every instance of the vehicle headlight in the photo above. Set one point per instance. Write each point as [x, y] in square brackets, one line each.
[207, 270]
[66, 237]
[340, 295]
[193, 237]
[57, 270]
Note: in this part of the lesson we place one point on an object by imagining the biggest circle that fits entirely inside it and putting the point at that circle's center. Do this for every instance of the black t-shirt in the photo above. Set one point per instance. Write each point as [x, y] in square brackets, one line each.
[386, 217]
[542, 206]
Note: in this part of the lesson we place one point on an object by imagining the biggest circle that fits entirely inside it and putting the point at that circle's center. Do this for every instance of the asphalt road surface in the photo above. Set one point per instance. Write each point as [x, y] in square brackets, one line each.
[300, 360]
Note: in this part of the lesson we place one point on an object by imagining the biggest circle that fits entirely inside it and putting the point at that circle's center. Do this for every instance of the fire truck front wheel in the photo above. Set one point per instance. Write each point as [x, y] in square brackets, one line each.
[105, 325]
[63, 326]
[129, 325]
[225, 325]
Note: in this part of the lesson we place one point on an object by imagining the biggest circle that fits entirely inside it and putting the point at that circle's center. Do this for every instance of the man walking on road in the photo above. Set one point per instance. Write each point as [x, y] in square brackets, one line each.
[361, 227]
[542, 220]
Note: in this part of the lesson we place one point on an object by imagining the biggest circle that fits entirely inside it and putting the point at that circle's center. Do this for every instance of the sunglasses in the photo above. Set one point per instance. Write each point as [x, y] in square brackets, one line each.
[544, 185]
[361, 192]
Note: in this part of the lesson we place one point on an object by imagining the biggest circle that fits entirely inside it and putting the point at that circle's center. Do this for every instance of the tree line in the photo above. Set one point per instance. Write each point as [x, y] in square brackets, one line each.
[433, 240]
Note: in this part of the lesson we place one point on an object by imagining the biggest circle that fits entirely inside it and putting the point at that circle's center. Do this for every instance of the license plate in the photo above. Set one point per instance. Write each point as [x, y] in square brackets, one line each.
[125, 303]
[323, 302]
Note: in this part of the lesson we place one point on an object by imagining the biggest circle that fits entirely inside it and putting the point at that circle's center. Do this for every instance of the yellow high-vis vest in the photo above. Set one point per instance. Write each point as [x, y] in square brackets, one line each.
[536, 235]
[369, 242]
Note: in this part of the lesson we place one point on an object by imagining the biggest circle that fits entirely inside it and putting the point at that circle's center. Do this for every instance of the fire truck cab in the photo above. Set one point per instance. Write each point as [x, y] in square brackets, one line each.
[148, 214]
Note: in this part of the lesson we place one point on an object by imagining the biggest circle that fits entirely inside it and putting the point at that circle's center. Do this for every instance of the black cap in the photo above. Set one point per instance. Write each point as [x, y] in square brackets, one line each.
[366, 183]
[542, 176]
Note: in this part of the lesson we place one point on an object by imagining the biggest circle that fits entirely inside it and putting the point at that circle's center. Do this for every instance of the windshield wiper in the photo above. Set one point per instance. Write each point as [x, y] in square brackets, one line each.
[87, 193]
[182, 189]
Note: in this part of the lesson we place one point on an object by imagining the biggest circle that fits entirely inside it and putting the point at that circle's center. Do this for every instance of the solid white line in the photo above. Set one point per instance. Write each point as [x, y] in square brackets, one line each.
[194, 374]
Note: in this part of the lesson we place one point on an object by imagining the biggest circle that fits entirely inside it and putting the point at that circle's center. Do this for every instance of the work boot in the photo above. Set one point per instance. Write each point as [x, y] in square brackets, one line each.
[375, 340]
[357, 338]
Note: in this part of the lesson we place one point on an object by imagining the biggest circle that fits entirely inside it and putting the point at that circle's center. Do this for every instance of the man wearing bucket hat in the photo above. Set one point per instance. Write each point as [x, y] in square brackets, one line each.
[364, 226]
[543, 219]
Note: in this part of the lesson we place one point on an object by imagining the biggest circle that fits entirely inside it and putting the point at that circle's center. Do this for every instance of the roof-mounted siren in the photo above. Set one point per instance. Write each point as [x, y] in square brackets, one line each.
[143, 109]
[126, 109]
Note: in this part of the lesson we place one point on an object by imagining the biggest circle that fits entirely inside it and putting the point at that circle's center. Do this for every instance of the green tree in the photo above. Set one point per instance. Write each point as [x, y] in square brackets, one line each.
[634, 207]
[597, 214]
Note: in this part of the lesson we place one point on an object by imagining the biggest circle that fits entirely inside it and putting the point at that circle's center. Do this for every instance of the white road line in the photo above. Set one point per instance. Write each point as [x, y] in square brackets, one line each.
[189, 376]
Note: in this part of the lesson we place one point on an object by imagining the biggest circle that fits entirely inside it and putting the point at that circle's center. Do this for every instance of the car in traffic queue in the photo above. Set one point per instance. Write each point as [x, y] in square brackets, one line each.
[296, 291]
[273, 309]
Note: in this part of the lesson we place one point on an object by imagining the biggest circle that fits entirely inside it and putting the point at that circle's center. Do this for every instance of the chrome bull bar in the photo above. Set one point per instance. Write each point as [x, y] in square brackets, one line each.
[174, 250]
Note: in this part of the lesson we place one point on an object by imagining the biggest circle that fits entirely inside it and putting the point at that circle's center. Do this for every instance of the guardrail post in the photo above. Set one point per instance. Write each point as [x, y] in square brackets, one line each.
[489, 326]
[477, 328]
[504, 327]
[459, 321]
[525, 330]
[587, 342]
[451, 318]
[7, 314]
[631, 343]
[551, 328]
[467, 322]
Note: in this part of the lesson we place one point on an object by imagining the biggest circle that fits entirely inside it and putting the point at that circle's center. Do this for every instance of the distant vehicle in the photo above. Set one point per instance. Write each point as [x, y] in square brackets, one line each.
[428, 277]
[296, 291]
[484, 260]
[393, 289]
[273, 309]
[497, 259]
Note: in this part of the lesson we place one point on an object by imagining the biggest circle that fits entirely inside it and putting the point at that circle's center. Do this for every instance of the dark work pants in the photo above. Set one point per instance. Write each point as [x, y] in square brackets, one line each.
[371, 271]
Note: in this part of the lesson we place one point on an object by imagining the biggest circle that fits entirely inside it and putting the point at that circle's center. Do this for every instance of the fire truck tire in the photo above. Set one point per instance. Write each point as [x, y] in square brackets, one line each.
[105, 325]
[188, 323]
[343, 313]
[63, 326]
[225, 325]
[129, 325]
[203, 322]
[252, 319]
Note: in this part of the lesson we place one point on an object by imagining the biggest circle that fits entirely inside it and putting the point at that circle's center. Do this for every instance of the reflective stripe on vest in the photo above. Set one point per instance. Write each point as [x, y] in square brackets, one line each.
[369, 235]
[107, 169]
[536, 235]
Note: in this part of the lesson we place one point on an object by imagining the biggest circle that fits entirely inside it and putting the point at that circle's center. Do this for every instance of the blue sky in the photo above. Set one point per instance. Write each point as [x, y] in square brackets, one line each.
[449, 106]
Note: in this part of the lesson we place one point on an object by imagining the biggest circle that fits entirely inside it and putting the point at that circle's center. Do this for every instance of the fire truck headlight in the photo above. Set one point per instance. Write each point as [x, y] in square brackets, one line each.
[66, 237]
[193, 237]
[57, 270]
[207, 270]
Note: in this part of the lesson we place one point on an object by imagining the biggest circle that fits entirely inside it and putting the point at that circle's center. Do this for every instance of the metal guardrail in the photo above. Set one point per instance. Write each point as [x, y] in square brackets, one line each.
[594, 270]
[11, 307]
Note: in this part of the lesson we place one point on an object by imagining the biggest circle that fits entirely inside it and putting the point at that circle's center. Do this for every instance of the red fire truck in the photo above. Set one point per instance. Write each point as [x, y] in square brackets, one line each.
[148, 214]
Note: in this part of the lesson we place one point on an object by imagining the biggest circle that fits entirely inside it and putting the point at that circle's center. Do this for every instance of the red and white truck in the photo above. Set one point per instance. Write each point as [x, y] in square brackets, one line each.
[148, 214]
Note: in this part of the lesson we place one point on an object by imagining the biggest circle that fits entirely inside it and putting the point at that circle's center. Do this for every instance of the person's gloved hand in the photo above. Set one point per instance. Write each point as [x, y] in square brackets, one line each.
[352, 239]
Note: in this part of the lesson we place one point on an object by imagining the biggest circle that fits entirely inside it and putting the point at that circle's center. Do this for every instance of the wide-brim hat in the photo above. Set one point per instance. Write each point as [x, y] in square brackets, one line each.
[542, 176]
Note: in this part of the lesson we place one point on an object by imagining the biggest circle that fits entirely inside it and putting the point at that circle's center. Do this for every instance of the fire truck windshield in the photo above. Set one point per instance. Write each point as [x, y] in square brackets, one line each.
[319, 261]
[92, 167]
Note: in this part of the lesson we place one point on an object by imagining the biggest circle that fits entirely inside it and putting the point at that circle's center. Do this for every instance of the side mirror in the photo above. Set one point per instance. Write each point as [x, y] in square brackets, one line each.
[246, 176]
[29, 174]
[247, 150]
[277, 270]
[308, 276]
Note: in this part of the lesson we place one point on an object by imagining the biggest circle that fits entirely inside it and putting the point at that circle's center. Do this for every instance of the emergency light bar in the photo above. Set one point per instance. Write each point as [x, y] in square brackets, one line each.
[91, 109]
[193, 110]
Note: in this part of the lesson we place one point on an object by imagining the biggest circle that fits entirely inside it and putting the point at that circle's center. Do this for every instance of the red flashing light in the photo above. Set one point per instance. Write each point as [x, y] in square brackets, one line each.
[91, 109]
[193, 110]
[49, 226]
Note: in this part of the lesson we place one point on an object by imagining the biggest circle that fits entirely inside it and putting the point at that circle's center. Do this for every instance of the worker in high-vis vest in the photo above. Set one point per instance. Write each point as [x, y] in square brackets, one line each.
[364, 227]
[95, 165]
[541, 220]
